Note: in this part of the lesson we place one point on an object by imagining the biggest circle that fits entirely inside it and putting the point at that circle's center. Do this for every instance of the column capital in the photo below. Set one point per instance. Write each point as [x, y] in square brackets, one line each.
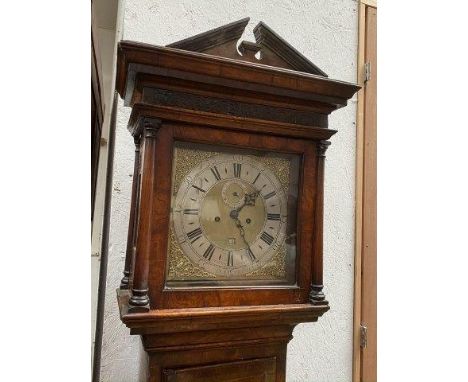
[151, 127]
[322, 147]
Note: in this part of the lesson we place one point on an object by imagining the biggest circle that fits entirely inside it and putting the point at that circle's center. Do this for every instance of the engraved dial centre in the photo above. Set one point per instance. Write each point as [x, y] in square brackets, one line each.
[224, 232]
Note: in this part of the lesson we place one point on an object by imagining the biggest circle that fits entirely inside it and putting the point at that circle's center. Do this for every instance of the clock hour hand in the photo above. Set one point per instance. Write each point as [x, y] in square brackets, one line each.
[249, 200]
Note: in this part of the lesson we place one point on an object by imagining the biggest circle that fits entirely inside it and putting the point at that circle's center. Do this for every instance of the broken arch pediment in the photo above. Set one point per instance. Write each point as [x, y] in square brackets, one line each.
[268, 49]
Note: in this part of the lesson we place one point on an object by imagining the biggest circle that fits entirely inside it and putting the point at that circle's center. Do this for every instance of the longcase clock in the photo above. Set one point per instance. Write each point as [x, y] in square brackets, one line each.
[224, 251]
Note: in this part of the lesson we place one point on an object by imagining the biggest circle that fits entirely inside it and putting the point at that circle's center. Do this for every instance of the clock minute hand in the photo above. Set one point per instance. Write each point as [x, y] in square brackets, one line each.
[249, 200]
[242, 233]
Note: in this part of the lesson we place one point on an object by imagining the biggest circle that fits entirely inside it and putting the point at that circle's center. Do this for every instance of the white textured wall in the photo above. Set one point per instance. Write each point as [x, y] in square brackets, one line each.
[326, 32]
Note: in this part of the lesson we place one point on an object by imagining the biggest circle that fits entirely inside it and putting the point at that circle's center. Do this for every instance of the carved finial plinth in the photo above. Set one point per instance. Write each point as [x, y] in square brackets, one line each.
[249, 49]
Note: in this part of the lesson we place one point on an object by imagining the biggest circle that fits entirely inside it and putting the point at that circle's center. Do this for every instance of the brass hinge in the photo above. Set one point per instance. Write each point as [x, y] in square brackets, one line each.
[367, 72]
[363, 335]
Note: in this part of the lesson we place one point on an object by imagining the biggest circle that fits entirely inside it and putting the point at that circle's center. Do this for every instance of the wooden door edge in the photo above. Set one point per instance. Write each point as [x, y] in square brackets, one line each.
[356, 367]
[369, 3]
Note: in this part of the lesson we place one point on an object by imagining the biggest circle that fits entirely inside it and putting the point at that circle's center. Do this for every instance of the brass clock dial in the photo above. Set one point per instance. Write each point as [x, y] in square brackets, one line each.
[230, 214]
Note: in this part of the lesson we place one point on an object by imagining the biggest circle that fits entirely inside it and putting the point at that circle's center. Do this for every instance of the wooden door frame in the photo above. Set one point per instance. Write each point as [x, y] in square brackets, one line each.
[363, 200]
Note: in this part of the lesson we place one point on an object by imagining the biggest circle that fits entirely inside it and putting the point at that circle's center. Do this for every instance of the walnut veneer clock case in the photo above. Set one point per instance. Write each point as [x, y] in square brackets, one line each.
[224, 252]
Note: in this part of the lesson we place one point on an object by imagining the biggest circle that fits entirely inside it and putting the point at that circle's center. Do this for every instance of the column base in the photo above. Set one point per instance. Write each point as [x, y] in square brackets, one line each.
[124, 283]
[316, 296]
[139, 301]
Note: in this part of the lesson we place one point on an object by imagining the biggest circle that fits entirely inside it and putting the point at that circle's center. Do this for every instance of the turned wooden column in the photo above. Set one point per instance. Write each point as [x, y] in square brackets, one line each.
[316, 295]
[132, 226]
[139, 300]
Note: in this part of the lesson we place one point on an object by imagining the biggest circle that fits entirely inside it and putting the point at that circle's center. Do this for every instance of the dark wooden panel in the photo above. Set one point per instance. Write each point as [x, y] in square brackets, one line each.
[204, 103]
[257, 370]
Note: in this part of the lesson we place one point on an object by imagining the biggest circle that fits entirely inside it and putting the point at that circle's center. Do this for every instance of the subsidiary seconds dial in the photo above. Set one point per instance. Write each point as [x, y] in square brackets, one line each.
[230, 215]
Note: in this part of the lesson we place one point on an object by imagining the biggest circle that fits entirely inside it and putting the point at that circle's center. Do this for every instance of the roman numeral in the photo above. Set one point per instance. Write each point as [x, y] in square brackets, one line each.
[250, 254]
[195, 234]
[266, 237]
[198, 188]
[230, 260]
[237, 169]
[273, 216]
[215, 172]
[270, 195]
[190, 211]
[256, 178]
[209, 252]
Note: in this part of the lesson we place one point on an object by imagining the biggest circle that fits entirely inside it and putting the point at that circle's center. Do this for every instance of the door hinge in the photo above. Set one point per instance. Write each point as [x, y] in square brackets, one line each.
[367, 72]
[363, 336]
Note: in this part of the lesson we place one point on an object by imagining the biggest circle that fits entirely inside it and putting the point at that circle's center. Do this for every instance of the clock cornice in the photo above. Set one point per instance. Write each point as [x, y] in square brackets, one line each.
[140, 58]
